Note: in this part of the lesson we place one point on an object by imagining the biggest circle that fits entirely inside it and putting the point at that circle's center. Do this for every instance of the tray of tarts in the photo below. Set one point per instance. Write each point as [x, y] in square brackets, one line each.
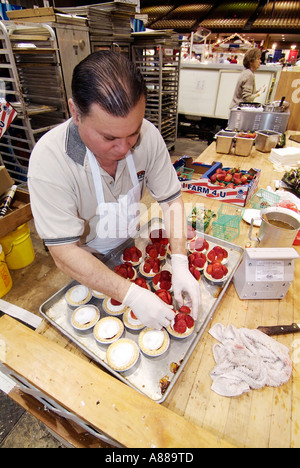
[148, 360]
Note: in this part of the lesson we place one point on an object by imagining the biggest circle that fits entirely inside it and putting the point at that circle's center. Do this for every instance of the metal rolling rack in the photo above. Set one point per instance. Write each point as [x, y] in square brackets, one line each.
[159, 63]
[32, 83]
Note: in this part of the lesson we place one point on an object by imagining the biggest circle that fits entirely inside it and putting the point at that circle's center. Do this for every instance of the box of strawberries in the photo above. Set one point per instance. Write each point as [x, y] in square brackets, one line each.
[227, 184]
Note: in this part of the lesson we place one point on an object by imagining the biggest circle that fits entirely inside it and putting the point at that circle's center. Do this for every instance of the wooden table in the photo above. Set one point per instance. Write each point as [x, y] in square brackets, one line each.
[261, 418]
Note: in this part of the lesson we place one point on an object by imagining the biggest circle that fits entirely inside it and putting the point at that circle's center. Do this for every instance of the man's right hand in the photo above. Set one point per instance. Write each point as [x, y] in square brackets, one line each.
[148, 307]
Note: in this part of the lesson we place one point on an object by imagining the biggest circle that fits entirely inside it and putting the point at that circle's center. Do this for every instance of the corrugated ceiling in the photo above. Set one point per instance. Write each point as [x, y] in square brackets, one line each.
[256, 17]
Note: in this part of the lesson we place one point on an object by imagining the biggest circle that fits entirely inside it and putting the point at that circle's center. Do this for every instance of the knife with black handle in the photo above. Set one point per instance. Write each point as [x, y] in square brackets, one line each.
[280, 329]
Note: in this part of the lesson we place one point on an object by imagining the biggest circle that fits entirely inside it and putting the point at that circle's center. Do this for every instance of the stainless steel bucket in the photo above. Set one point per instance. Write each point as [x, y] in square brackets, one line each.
[270, 235]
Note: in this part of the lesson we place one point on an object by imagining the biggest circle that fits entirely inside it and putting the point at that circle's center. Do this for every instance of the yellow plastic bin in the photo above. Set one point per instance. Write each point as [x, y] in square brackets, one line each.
[18, 248]
[5, 278]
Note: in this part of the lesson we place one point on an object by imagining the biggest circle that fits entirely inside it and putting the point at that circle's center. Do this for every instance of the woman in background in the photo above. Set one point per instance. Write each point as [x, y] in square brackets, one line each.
[245, 90]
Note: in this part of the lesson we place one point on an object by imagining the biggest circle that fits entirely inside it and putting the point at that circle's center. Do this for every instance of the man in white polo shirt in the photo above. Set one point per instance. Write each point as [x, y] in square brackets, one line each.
[86, 178]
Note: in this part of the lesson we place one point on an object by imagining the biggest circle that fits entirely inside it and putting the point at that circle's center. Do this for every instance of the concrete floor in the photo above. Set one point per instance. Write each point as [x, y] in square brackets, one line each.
[18, 429]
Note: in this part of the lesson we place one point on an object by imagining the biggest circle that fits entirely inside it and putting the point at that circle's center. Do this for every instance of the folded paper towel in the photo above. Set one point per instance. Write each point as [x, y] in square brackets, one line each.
[288, 156]
[247, 359]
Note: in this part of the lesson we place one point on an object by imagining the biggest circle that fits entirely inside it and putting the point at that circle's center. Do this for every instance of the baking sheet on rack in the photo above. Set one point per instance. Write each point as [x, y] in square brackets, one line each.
[147, 373]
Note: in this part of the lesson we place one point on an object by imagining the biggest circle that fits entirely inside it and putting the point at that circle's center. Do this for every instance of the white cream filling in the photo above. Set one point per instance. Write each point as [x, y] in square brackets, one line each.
[122, 354]
[108, 329]
[114, 308]
[79, 293]
[98, 293]
[153, 339]
[85, 315]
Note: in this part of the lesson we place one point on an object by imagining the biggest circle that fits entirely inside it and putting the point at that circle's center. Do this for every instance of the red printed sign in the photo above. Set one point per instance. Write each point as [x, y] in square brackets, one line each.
[7, 115]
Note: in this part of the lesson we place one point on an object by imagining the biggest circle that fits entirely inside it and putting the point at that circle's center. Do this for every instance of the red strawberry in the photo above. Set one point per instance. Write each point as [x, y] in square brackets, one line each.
[211, 255]
[189, 321]
[219, 257]
[153, 253]
[156, 279]
[165, 284]
[132, 315]
[225, 269]
[217, 274]
[199, 262]
[126, 255]
[166, 275]
[135, 257]
[180, 316]
[191, 258]
[164, 296]
[218, 249]
[185, 309]
[141, 282]
[196, 273]
[130, 272]
[121, 270]
[114, 302]
[180, 326]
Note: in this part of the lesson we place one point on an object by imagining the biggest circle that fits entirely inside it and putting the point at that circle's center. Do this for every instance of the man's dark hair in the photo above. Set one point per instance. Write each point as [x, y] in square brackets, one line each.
[110, 80]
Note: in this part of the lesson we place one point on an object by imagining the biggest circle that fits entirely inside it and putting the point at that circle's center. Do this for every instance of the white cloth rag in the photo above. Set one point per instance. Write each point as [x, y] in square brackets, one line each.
[247, 359]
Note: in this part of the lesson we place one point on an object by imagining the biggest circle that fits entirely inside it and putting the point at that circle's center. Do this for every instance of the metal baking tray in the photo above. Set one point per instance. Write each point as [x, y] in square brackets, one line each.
[147, 373]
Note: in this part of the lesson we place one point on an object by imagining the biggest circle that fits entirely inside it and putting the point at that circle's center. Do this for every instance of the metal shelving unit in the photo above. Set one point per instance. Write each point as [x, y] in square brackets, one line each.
[31, 81]
[159, 63]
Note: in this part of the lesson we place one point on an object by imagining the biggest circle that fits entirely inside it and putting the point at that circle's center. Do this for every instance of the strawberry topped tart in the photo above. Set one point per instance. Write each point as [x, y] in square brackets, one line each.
[156, 250]
[216, 271]
[150, 267]
[162, 280]
[132, 255]
[198, 245]
[218, 254]
[183, 324]
[159, 236]
[197, 260]
[126, 270]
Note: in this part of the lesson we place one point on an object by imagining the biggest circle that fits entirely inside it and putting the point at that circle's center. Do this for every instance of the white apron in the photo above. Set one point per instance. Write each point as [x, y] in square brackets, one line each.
[117, 220]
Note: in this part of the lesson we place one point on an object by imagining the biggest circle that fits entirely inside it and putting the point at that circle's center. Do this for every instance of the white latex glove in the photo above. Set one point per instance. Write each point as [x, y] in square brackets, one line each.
[184, 282]
[148, 307]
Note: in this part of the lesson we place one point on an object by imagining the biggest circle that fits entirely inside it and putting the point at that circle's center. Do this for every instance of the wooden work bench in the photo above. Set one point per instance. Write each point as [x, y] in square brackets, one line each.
[192, 415]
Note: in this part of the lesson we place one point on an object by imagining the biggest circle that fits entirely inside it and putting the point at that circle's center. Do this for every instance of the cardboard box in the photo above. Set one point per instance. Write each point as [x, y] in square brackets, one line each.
[201, 184]
[20, 214]
[5, 180]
